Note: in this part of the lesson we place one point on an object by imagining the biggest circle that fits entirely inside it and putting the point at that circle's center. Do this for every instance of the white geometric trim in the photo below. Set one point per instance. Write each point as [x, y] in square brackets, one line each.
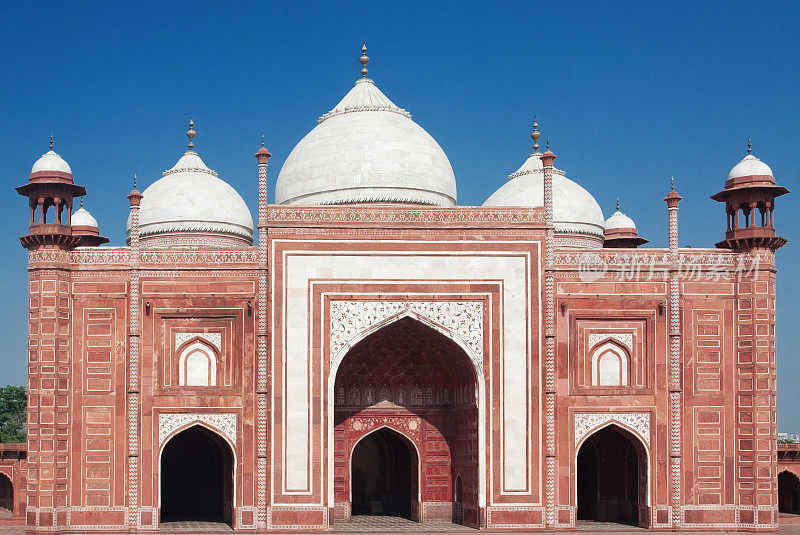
[225, 423]
[214, 339]
[349, 319]
[625, 339]
[638, 421]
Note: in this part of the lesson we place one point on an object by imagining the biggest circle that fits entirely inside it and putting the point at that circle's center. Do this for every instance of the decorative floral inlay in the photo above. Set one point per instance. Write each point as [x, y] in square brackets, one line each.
[638, 421]
[351, 318]
[625, 339]
[214, 339]
[225, 423]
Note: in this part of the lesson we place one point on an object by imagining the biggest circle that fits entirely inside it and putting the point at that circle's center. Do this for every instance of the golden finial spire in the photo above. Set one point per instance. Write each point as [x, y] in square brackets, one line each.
[548, 141]
[749, 147]
[134, 180]
[617, 204]
[81, 202]
[51, 141]
[364, 60]
[191, 133]
[262, 141]
[672, 183]
[535, 135]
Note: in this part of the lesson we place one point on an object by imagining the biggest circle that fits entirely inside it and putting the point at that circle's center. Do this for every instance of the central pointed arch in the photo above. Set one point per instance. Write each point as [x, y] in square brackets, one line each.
[416, 397]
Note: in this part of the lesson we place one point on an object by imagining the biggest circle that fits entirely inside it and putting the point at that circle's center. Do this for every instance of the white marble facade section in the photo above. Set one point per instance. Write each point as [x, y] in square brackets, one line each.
[511, 269]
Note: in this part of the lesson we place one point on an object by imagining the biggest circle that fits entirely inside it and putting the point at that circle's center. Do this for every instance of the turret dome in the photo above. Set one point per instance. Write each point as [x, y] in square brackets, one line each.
[50, 161]
[618, 220]
[82, 218]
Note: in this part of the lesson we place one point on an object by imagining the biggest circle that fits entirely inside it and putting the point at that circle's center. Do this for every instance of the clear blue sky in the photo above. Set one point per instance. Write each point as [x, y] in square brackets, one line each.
[630, 93]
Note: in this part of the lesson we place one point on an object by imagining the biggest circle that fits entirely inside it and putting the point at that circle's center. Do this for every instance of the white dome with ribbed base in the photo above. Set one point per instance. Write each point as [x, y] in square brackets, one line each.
[366, 150]
[191, 205]
[575, 211]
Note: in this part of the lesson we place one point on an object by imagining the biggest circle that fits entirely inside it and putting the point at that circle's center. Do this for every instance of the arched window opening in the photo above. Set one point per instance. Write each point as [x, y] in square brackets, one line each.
[6, 496]
[610, 364]
[788, 493]
[612, 478]
[197, 365]
[196, 477]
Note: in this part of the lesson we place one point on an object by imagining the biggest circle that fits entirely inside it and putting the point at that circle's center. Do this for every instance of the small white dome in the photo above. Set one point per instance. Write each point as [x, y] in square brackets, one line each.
[50, 161]
[366, 149]
[618, 220]
[82, 218]
[190, 198]
[575, 211]
[750, 166]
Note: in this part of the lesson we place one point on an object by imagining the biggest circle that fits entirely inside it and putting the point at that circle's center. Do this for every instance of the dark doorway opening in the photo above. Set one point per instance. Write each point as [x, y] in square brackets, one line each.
[458, 501]
[197, 477]
[384, 475]
[788, 493]
[612, 478]
[6, 496]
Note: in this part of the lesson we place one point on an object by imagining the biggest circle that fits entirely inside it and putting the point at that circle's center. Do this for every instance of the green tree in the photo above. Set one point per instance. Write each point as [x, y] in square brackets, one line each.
[13, 408]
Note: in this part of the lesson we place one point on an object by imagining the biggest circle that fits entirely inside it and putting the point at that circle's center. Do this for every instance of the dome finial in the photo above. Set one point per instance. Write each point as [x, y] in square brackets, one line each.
[262, 140]
[672, 183]
[749, 147]
[535, 135]
[617, 204]
[364, 60]
[81, 202]
[51, 141]
[191, 133]
[548, 141]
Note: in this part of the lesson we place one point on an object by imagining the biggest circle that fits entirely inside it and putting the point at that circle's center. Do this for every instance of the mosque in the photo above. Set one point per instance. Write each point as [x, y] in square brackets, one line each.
[378, 351]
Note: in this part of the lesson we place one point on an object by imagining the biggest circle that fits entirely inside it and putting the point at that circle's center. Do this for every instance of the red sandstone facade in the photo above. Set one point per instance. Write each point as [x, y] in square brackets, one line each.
[508, 365]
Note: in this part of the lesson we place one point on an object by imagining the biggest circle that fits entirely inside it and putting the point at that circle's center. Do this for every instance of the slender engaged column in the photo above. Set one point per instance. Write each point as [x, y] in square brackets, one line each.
[262, 393]
[133, 363]
[675, 390]
[550, 342]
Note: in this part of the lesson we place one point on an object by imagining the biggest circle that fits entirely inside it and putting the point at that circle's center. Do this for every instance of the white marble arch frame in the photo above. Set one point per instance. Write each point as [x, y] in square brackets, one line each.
[621, 351]
[611, 421]
[479, 380]
[410, 441]
[230, 441]
[208, 349]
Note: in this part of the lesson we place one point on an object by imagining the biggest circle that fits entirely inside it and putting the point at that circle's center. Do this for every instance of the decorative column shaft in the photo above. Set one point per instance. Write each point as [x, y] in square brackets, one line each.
[550, 342]
[133, 363]
[674, 333]
[262, 382]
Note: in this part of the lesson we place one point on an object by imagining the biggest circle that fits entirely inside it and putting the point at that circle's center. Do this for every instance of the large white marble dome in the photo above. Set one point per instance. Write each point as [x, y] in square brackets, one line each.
[366, 150]
[191, 205]
[575, 211]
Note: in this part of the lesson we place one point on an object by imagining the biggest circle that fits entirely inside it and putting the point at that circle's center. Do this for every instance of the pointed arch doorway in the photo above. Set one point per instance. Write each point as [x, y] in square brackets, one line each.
[6, 496]
[196, 477]
[612, 478]
[418, 389]
[384, 475]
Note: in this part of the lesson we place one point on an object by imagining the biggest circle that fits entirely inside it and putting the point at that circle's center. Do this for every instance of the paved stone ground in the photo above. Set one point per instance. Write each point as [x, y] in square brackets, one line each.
[392, 525]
